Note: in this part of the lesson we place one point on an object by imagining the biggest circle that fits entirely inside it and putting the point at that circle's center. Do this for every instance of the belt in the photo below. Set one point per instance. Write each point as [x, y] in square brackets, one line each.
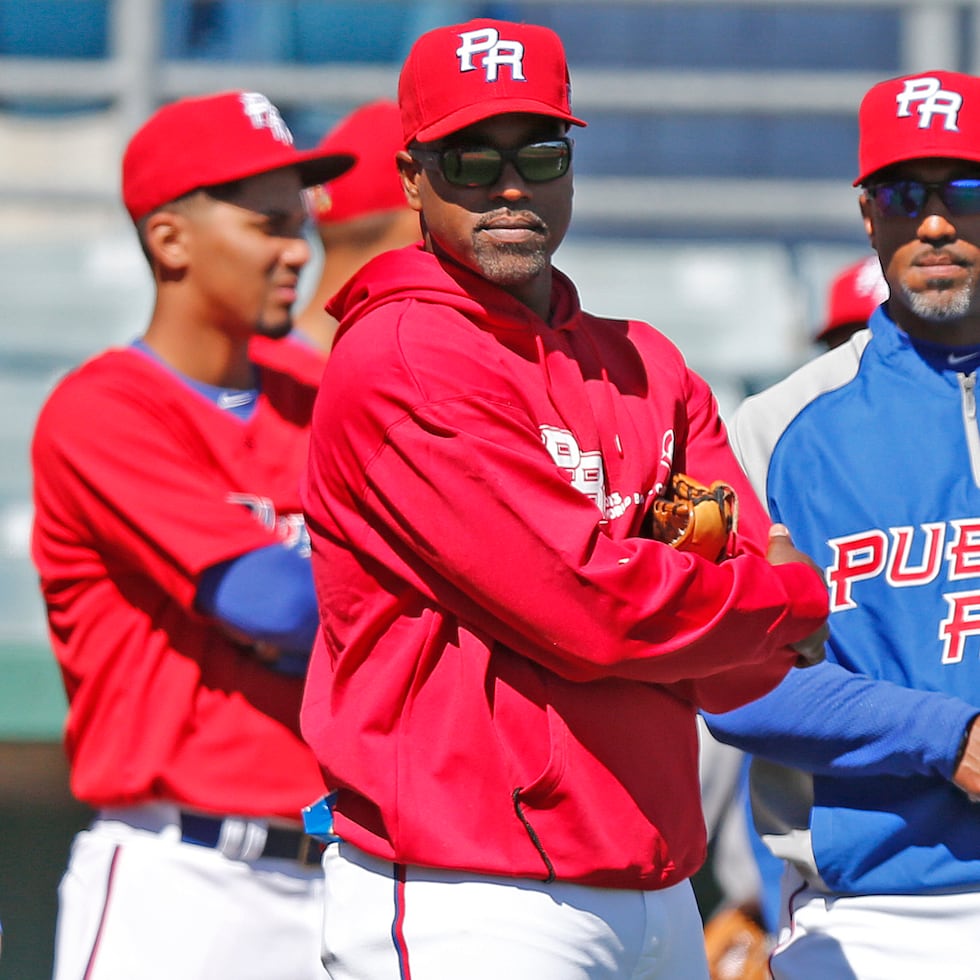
[243, 840]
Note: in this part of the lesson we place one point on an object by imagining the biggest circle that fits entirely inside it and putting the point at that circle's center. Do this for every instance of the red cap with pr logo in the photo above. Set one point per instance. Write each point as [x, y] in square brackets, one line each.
[372, 133]
[457, 76]
[854, 294]
[210, 140]
[932, 114]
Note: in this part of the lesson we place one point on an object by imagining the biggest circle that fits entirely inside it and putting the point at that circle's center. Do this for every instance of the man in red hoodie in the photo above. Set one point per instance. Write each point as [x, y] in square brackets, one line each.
[504, 688]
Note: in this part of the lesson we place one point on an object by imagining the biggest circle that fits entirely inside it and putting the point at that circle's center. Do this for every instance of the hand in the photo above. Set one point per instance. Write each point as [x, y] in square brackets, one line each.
[781, 552]
[265, 653]
[289, 662]
[967, 774]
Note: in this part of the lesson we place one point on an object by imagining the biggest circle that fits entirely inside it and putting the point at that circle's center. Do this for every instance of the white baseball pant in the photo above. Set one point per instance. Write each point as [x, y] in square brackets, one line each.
[137, 902]
[391, 922]
[876, 937]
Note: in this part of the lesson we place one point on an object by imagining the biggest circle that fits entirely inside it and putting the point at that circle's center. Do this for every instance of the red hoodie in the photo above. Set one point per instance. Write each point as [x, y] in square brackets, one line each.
[507, 676]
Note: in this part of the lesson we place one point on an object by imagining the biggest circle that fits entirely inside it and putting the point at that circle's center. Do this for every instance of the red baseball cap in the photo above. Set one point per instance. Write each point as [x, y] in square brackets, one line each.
[854, 294]
[372, 133]
[456, 76]
[932, 114]
[210, 140]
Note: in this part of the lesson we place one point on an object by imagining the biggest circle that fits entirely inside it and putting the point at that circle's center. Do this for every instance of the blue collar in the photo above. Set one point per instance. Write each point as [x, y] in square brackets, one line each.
[239, 402]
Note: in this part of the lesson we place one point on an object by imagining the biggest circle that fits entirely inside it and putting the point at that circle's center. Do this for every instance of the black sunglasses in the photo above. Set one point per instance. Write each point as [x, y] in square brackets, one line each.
[907, 198]
[481, 166]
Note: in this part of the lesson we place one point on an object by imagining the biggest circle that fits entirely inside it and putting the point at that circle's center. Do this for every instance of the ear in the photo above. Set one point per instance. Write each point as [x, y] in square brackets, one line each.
[165, 234]
[410, 173]
[869, 227]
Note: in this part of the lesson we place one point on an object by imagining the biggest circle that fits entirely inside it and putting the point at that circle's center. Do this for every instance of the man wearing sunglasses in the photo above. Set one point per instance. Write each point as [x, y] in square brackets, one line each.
[503, 692]
[870, 781]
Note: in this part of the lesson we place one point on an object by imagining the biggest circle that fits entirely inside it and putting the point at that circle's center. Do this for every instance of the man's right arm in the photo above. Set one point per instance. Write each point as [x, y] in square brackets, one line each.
[828, 719]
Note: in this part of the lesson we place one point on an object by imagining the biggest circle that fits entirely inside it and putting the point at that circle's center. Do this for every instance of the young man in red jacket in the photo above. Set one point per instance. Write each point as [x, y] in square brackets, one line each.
[174, 565]
[504, 689]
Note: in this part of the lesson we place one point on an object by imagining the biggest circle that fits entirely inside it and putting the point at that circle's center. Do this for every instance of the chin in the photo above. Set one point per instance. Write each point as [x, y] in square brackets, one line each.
[939, 305]
[512, 268]
[275, 331]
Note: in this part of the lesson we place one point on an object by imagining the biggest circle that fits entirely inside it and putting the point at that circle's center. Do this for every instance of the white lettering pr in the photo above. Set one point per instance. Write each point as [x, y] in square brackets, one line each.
[264, 115]
[932, 101]
[496, 54]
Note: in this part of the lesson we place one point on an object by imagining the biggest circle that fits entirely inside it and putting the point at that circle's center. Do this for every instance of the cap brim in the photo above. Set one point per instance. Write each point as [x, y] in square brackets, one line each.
[470, 114]
[316, 167]
[939, 153]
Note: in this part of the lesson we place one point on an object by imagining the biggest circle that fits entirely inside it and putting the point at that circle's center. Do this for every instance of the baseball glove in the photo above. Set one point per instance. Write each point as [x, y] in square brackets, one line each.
[695, 518]
[737, 946]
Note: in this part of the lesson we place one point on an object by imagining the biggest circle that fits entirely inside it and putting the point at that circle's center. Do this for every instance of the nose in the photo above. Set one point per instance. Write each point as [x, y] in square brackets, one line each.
[510, 185]
[296, 252]
[936, 223]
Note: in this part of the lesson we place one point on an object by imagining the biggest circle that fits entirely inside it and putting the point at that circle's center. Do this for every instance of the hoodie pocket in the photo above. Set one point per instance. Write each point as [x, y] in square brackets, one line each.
[542, 793]
[543, 787]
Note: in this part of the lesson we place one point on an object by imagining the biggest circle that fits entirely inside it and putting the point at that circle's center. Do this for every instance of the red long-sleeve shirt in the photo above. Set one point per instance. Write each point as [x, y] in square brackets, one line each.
[507, 675]
[139, 486]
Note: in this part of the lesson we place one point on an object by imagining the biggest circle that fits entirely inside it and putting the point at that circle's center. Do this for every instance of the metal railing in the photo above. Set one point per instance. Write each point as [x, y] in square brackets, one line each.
[134, 78]
[739, 312]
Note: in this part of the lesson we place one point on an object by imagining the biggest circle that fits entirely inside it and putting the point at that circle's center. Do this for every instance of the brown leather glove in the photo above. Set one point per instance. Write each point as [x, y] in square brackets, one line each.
[737, 946]
[694, 517]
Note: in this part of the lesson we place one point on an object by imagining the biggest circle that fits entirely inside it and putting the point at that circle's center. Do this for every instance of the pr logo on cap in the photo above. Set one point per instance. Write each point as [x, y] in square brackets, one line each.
[495, 51]
[264, 115]
[929, 99]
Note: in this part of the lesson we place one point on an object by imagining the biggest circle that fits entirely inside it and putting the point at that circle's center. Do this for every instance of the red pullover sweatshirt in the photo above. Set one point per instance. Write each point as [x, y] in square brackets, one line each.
[507, 675]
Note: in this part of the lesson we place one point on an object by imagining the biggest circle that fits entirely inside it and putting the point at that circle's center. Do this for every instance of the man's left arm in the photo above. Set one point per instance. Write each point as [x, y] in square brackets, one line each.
[827, 719]
[265, 598]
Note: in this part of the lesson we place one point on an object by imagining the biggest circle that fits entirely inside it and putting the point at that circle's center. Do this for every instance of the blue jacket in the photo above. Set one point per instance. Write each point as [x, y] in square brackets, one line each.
[871, 455]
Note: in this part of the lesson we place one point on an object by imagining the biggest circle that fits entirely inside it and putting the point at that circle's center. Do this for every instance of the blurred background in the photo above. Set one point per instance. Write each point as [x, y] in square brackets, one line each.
[713, 199]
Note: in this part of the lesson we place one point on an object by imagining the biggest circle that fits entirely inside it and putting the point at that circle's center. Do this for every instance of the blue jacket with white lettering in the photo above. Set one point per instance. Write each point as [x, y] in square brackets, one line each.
[871, 455]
